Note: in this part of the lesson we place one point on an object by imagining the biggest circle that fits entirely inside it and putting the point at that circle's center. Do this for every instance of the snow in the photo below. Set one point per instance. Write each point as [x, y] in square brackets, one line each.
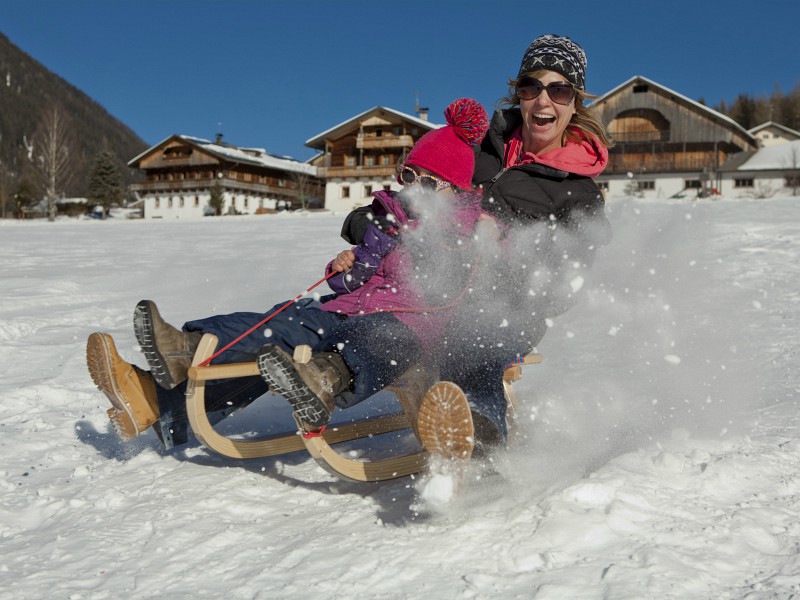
[777, 157]
[657, 453]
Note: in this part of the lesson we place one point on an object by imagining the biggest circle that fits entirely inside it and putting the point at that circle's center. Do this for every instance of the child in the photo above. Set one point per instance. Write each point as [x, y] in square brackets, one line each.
[402, 316]
[382, 288]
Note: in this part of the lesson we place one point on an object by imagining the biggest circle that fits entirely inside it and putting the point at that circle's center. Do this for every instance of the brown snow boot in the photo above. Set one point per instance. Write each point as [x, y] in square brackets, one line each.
[168, 350]
[310, 387]
[445, 422]
[131, 390]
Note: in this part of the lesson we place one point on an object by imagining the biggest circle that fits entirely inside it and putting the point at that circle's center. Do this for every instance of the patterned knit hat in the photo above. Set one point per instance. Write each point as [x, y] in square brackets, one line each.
[556, 53]
[447, 151]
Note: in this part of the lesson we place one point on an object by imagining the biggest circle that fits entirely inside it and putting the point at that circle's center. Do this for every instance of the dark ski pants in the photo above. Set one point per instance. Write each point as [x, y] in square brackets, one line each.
[302, 323]
[378, 349]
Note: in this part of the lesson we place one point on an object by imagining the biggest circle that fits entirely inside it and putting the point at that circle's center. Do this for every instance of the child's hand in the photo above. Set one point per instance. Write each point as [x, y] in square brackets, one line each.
[343, 261]
[486, 228]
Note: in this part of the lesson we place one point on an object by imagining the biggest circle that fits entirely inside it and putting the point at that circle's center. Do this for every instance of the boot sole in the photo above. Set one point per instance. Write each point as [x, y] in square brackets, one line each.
[99, 350]
[145, 335]
[445, 422]
[278, 371]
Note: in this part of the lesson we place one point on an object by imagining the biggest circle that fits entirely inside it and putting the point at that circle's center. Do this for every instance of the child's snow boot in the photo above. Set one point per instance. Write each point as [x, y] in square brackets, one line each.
[310, 387]
[168, 350]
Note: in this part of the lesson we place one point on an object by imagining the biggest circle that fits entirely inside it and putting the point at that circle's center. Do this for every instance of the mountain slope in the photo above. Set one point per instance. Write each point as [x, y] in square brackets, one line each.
[28, 91]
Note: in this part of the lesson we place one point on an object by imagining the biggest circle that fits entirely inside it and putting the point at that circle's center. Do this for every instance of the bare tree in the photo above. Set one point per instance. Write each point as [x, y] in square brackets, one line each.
[53, 149]
[302, 186]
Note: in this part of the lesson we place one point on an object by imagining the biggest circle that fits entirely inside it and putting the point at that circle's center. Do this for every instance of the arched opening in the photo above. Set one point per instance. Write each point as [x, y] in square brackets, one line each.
[639, 125]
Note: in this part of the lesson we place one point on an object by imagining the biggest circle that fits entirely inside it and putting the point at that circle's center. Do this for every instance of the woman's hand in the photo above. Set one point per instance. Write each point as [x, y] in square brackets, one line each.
[343, 261]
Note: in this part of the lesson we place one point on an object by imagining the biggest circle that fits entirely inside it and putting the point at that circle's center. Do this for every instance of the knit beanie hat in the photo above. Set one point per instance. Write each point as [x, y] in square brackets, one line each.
[447, 151]
[556, 53]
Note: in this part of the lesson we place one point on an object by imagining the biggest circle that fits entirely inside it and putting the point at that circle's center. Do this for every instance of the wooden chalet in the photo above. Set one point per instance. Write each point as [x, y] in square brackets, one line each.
[666, 144]
[181, 171]
[361, 155]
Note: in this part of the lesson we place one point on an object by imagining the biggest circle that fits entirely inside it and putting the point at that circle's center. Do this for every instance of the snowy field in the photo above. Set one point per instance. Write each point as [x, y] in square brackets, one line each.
[659, 452]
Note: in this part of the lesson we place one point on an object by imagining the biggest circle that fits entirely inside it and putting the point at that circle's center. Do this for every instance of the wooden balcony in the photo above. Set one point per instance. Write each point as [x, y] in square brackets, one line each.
[192, 185]
[383, 142]
[654, 163]
[378, 171]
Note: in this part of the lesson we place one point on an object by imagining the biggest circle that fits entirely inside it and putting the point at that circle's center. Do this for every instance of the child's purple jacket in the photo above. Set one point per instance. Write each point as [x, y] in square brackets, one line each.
[391, 288]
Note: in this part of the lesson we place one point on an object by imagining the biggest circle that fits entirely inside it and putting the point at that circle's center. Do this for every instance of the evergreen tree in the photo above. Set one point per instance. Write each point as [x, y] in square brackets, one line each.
[105, 182]
[24, 196]
[217, 200]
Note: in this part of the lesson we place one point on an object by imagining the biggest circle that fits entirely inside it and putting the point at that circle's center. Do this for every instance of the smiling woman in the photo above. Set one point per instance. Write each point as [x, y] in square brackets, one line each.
[535, 166]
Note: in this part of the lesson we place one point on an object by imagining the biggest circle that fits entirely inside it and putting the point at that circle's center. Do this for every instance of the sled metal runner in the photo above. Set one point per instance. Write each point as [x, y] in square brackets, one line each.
[409, 391]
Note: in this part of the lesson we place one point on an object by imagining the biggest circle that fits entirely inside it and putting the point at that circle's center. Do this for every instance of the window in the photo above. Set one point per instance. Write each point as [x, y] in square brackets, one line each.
[792, 181]
[396, 131]
[345, 191]
[158, 202]
[692, 184]
[178, 152]
[640, 88]
[378, 133]
[169, 204]
[369, 161]
[197, 201]
[246, 201]
[646, 185]
[386, 160]
[349, 161]
[180, 202]
[387, 188]
[743, 183]
[367, 190]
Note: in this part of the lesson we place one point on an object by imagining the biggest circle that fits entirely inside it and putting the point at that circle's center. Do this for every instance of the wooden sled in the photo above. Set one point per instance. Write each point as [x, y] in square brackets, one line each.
[409, 390]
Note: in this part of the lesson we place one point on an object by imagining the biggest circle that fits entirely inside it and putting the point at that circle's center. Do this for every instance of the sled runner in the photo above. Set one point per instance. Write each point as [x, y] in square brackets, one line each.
[412, 390]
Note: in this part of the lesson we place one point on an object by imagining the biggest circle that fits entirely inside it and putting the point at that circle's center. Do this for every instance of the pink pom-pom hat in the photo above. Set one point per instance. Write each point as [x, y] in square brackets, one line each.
[448, 152]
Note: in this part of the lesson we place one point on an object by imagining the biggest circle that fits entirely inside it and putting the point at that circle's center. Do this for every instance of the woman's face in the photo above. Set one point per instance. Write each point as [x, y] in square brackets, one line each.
[544, 121]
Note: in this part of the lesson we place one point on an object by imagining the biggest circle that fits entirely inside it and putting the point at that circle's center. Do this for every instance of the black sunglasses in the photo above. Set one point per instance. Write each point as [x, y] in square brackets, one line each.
[560, 92]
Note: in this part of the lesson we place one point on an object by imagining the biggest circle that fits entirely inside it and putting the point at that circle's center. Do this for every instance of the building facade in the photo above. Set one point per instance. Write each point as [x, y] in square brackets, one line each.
[361, 155]
[666, 145]
[770, 134]
[183, 174]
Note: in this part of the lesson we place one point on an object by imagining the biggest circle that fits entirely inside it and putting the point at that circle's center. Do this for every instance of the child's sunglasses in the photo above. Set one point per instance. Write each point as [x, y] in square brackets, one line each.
[430, 183]
[560, 92]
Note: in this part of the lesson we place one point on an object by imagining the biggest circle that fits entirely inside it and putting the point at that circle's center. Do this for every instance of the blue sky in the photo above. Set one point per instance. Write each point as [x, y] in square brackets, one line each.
[275, 73]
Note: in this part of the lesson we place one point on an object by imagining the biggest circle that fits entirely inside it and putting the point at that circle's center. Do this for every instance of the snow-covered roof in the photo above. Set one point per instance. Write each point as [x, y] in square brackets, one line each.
[774, 125]
[253, 156]
[777, 157]
[700, 107]
[315, 141]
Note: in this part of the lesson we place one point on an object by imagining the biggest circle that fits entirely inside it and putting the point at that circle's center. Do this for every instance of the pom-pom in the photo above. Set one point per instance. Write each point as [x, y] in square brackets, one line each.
[469, 120]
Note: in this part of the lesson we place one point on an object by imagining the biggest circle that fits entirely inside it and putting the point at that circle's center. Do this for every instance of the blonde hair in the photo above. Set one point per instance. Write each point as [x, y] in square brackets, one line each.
[583, 124]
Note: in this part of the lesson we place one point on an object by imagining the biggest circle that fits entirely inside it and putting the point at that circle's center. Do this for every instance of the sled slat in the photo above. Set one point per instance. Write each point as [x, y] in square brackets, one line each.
[229, 371]
[356, 470]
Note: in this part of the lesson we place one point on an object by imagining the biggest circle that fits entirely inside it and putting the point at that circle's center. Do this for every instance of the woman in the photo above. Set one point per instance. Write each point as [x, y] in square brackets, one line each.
[404, 309]
[535, 169]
